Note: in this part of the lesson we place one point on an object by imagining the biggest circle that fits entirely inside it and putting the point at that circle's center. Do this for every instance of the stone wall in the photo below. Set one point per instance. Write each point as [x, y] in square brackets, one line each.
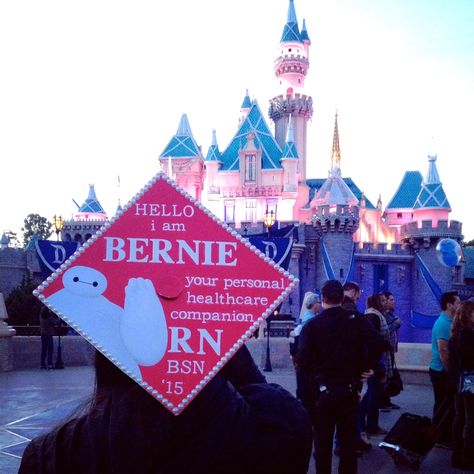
[76, 351]
[13, 268]
[15, 265]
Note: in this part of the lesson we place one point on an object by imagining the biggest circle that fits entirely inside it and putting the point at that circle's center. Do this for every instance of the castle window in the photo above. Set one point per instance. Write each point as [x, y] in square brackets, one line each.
[399, 215]
[289, 50]
[341, 273]
[250, 168]
[229, 211]
[380, 277]
[272, 207]
[251, 210]
[457, 274]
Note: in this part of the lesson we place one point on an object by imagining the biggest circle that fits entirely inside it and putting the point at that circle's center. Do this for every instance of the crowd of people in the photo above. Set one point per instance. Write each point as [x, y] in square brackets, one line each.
[344, 362]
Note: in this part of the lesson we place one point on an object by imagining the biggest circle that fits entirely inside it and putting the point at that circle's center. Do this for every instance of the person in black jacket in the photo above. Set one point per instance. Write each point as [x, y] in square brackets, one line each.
[237, 424]
[461, 358]
[336, 350]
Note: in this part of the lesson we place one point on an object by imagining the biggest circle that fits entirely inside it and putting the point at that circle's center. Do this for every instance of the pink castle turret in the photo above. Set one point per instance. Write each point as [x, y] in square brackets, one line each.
[291, 67]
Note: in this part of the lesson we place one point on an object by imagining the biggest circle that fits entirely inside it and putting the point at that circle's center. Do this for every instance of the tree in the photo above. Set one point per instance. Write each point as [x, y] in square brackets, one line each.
[469, 244]
[34, 224]
[22, 307]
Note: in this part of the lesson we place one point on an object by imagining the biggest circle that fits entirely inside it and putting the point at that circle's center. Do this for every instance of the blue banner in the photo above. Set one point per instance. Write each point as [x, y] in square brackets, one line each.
[422, 321]
[435, 289]
[276, 248]
[52, 254]
[351, 273]
[327, 263]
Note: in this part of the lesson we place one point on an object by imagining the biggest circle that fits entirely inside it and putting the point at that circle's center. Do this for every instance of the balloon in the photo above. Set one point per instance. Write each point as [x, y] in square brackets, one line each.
[448, 252]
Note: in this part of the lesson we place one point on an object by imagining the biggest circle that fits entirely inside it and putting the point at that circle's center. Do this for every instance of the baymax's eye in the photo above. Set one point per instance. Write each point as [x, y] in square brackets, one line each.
[75, 279]
[95, 284]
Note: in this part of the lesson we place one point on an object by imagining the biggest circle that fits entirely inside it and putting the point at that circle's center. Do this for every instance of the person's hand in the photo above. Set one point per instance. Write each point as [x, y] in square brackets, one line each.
[365, 375]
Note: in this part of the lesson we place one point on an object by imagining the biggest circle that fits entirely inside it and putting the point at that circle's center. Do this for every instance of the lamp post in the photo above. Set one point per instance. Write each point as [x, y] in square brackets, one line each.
[58, 224]
[269, 220]
[268, 363]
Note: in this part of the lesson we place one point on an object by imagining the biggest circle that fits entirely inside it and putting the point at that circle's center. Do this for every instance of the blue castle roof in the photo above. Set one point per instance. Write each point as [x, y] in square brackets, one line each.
[304, 32]
[407, 192]
[182, 144]
[5, 241]
[91, 204]
[247, 103]
[213, 153]
[315, 184]
[253, 123]
[290, 151]
[290, 31]
[432, 194]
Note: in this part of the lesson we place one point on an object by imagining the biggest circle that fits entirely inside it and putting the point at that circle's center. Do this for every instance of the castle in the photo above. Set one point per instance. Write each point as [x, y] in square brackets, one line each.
[337, 232]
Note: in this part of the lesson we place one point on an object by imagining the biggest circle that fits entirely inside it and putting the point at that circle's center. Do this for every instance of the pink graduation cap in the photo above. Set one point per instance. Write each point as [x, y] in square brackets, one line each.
[167, 292]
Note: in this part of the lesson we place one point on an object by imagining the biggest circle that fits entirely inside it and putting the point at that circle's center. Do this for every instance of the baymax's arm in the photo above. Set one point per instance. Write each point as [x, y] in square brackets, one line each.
[143, 324]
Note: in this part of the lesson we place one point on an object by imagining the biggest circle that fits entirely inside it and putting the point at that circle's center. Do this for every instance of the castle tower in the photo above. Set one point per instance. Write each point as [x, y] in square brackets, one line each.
[335, 218]
[185, 157]
[430, 224]
[212, 164]
[291, 67]
[89, 218]
[431, 203]
[289, 162]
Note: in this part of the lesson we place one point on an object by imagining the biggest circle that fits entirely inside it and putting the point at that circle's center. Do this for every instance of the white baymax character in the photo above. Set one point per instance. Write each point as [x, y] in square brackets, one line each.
[133, 335]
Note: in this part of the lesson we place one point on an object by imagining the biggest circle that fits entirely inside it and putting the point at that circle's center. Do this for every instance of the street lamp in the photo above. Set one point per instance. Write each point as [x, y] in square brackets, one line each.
[268, 363]
[58, 224]
[269, 220]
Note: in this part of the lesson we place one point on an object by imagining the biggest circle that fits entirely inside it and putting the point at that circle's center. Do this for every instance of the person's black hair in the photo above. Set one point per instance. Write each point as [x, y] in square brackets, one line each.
[108, 378]
[446, 298]
[375, 301]
[332, 292]
[387, 294]
[350, 285]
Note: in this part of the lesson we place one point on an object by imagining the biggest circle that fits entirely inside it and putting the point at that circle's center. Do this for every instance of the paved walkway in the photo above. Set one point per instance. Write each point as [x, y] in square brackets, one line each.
[33, 401]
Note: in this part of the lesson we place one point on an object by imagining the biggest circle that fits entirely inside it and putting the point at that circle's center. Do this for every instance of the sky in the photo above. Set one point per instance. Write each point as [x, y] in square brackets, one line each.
[93, 90]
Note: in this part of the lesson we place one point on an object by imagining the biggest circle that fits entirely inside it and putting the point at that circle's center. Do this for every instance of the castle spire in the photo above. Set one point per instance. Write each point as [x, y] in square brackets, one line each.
[290, 31]
[304, 33]
[213, 153]
[432, 176]
[183, 144]
[247, 103]
[336, 151]
[290, 147]
[91, 209]
[184, 129]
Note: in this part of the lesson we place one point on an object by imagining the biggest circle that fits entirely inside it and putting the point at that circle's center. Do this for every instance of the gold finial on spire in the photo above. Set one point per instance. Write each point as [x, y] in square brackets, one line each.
[336, 151]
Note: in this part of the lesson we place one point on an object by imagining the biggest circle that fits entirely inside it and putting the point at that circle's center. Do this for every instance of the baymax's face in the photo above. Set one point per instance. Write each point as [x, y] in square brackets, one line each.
[84, 281]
